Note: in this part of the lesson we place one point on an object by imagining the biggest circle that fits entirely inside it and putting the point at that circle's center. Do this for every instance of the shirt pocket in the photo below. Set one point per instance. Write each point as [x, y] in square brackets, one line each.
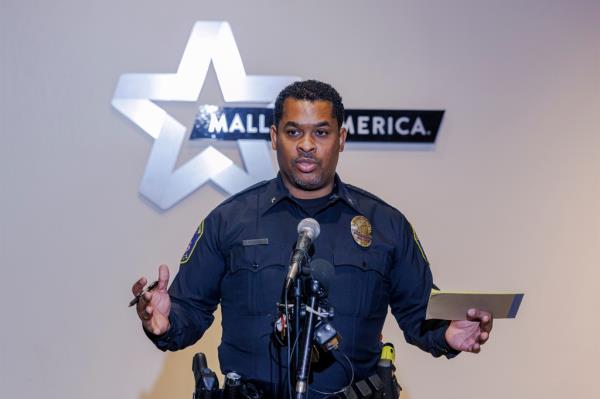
[361, 287]
[254, 279]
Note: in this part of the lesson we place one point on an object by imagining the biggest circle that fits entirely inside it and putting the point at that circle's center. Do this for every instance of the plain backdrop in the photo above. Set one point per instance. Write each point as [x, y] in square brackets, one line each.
[507, 199]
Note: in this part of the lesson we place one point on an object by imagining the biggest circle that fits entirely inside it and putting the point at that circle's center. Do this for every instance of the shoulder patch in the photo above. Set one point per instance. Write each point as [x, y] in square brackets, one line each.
[193, 242]
[244, 191]
[367, 194]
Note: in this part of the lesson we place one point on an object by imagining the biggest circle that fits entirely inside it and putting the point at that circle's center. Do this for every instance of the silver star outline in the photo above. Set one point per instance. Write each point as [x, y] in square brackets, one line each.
[162, 183]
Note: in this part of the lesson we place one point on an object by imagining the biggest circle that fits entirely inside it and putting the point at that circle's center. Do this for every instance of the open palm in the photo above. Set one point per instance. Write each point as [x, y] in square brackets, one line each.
[468, 335]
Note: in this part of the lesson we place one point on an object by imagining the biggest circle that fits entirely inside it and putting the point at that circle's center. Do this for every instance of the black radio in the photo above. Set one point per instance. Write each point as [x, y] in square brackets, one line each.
[207, 384]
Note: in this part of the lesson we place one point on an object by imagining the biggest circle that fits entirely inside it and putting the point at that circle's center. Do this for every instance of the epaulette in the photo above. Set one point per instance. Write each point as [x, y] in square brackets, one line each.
[367, 194]
[244, 191]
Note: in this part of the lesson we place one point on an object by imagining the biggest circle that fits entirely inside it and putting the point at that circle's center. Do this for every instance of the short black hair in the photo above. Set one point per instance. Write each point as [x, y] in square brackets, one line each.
[311, 90]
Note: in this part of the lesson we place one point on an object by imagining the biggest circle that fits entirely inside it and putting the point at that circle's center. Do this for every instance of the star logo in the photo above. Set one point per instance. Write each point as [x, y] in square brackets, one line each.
[162, 183]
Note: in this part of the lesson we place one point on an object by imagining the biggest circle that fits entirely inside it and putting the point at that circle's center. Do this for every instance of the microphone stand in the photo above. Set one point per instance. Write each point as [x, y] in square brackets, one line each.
[316, 292]
[294, 327]
[312, 285]
[297, 316]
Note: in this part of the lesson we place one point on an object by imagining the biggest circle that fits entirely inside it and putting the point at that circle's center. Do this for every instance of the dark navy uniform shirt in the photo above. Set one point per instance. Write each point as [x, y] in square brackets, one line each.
[239, 258]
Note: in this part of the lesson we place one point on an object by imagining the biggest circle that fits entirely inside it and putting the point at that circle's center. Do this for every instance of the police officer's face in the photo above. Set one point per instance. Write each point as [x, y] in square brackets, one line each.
[308, 141]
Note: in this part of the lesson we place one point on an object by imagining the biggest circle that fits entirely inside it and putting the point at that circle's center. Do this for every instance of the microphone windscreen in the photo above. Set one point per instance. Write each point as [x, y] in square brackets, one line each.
[323, 272]
[311, 226]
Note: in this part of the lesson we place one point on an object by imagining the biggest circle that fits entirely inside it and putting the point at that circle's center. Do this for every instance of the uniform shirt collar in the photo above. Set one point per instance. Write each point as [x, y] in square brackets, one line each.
[276, 192]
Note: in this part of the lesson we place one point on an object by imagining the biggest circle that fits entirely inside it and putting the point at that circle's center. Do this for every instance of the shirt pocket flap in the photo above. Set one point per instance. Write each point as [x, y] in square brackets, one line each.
[370, 260]
[255, 258]
[360, 283]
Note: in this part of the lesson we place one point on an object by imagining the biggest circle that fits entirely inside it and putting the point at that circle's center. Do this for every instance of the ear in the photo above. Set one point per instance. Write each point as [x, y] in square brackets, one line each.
[273, 133]
[343, 135]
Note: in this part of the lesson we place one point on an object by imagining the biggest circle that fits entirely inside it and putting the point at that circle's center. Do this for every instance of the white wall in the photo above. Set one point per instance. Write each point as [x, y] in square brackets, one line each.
[506, 200]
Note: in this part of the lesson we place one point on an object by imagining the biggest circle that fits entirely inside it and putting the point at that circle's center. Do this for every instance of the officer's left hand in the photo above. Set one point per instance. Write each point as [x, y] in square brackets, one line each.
[468, 335]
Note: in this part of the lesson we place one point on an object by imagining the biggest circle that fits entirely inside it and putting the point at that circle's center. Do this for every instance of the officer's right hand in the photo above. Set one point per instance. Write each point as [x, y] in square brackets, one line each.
[153, 307]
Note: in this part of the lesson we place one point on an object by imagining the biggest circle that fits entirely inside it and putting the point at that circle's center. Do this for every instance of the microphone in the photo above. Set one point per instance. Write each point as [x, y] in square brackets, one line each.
[308, 231]
[323, 272]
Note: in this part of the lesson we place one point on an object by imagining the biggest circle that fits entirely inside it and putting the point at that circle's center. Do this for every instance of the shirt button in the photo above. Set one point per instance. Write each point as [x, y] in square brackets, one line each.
[273, 200]
[254, 266]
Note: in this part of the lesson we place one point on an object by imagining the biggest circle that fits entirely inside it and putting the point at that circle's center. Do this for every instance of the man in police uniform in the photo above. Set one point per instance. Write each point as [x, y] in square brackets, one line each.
[238, 257]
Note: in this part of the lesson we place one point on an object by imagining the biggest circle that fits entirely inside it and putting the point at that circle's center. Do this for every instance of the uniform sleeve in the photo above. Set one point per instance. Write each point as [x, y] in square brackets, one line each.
[195, 291]
[411, 283]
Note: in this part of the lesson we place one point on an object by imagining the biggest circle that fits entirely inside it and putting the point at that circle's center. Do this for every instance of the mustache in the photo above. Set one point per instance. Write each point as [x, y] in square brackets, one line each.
[303, 157]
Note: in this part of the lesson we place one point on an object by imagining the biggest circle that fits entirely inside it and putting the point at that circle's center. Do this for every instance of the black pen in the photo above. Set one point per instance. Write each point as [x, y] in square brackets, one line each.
[137, 297]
